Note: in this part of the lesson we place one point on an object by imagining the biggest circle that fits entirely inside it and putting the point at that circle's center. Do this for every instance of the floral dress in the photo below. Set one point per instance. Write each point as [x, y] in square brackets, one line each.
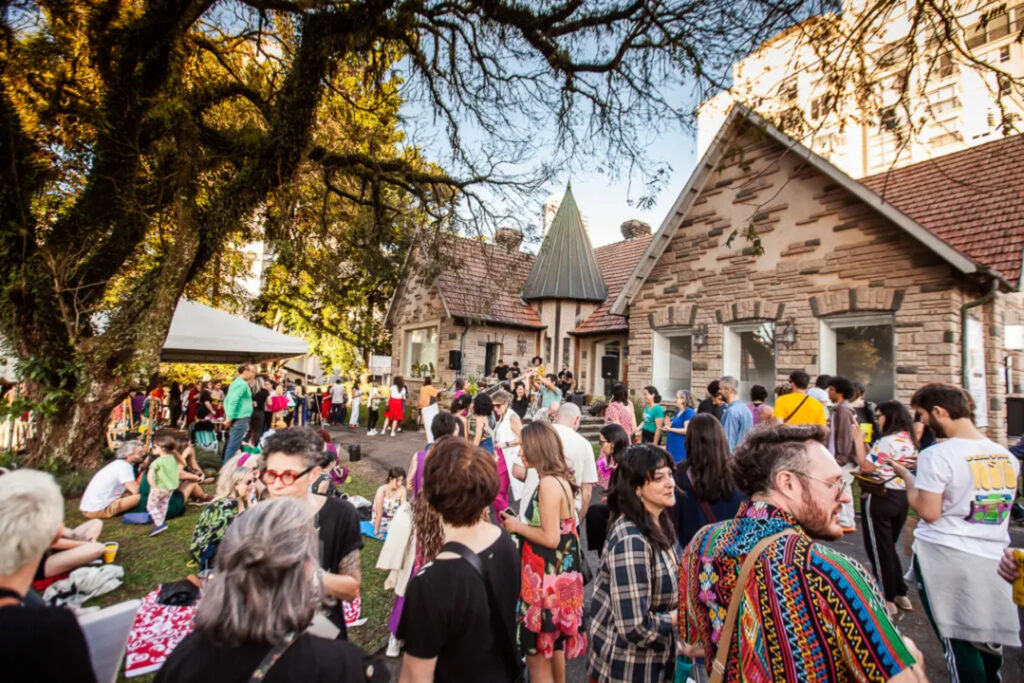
[213, 523]
[550, 611]
[388, 508]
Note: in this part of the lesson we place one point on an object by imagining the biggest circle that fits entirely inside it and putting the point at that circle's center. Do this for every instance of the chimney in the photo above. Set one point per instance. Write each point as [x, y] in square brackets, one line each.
[633, 228]
[509, 239]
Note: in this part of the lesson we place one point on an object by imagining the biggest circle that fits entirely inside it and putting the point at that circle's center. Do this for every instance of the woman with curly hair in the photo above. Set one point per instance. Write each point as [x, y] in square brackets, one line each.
[551, 597]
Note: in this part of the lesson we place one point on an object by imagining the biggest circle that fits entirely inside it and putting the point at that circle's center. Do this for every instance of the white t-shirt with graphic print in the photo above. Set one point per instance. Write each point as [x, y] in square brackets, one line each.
[978, 481]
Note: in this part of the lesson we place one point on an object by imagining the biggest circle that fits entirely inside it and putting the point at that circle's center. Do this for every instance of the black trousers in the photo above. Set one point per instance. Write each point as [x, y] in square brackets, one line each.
[884, 517]
[371, 418]
[338, 413]
[256, 427]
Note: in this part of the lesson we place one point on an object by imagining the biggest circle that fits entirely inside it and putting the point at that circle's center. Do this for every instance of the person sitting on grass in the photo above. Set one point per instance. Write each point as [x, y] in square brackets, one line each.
[389, 498]
[113, 490]
[31, 510]
[294, 460]
[73, 548]
[252, 621]
[234, 493]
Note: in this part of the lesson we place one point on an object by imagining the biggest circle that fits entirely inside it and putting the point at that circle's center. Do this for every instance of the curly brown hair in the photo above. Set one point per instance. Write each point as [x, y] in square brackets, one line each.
[769, 449]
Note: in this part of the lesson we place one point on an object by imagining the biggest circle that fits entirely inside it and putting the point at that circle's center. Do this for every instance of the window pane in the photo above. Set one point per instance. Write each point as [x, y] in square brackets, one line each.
[757, 359]
[865, 354]
[422, 352]
[679, 358]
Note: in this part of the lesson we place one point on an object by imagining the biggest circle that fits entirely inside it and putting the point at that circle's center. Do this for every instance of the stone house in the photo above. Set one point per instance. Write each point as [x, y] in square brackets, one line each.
[500, 303]
[894, 280]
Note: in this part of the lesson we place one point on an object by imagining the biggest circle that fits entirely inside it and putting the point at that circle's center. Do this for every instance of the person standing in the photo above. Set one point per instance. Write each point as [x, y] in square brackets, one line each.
[508, 433]
[515, 372]
[578, 454]
[759, 410]
[884, 504]
[708, 493]
[238, 409]
[820, 390]
[962, 493]
[633, 609]
[845, 441]
[258, 419]
[775, 582]
[712, 403]
[175, 404]
[797, 407]
[550, 393]
[373, 414]
[427, 395]
[521, 400]
[620, 409]
[396, 406]
[650, 429]
[338, 400]
[737, 419]
[355, 403]
[501, 371]
[550, 621]
[163, 480]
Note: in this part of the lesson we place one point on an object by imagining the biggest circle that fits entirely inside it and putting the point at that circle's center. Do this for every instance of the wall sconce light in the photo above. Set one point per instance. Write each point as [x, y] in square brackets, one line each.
[700, 335]
[787, 335]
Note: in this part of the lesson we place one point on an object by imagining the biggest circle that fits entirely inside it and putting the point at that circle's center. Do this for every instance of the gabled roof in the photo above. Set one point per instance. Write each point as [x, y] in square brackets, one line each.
[972, 199]
[484, 284]
[565, 267]
[738, 116]
[616, 262]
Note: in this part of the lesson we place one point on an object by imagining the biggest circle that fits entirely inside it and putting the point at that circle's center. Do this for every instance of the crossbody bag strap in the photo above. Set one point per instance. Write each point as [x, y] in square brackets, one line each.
[705, 507]
[797, 409]
[271, 658]
[508, 643]
[724, 640]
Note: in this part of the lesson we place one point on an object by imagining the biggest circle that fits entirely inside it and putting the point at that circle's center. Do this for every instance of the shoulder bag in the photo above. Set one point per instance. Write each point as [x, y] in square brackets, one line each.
[506, 644]
[725, 639]
[797, 409]
[271, 658]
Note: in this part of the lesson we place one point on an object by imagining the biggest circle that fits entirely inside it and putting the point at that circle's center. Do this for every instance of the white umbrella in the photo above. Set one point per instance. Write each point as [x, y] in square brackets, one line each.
[201, 334]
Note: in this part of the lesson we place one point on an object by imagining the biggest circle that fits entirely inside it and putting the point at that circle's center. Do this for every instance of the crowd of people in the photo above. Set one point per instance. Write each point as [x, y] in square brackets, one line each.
[711, 521]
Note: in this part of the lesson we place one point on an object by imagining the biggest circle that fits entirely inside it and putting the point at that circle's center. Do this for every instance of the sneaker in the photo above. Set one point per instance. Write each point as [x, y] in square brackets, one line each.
[392, 433]
[159, 530]
[358, 622]
[394, 646]
[372, 432]
[903, 602]
[399, 429]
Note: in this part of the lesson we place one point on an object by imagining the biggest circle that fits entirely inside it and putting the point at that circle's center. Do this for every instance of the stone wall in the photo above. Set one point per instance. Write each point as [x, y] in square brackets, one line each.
[825, 254]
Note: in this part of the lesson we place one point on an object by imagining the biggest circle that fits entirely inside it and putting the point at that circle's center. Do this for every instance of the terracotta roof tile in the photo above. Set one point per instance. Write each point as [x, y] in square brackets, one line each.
[486, 284]
[973, 199]
[616, 262]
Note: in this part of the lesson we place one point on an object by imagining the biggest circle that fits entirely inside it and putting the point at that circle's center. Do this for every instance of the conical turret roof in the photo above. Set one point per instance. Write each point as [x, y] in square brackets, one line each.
[565, 267]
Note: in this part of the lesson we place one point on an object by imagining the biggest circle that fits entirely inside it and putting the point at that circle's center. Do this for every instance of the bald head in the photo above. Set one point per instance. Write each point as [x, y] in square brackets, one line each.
[569, 414]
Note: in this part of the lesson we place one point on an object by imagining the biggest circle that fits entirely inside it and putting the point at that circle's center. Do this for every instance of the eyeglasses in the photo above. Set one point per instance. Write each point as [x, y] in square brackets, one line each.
[838, 485]
[287, 478]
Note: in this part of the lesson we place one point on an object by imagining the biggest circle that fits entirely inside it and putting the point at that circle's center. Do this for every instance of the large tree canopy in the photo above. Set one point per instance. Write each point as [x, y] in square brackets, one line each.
[140, 138]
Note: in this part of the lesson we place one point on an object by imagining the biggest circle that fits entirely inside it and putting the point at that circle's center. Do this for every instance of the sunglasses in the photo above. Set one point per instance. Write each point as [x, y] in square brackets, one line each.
[287, 478]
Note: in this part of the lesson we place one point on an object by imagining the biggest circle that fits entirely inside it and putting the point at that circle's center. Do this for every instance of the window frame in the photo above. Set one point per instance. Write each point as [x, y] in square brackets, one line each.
[408, 332]
[731, 335]
[662, 337]
[827, 352]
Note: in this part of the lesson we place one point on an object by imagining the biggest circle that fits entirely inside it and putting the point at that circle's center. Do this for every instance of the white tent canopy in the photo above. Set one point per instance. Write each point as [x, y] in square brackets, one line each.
[200, 334]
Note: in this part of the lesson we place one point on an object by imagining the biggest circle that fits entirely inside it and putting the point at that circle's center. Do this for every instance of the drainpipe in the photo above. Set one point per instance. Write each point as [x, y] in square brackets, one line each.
[963, 328]
[462, 349]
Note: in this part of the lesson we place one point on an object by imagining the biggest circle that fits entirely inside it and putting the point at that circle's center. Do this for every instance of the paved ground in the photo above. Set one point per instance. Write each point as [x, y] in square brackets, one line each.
[398, 450]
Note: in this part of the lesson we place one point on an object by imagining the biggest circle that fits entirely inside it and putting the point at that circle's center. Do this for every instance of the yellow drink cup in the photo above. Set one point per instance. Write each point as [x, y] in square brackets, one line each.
[110, 552]
[1018, 585]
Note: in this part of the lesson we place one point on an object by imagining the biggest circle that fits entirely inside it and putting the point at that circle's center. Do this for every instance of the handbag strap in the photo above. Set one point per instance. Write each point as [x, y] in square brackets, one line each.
[508, 643]
[797, 409]
[724, 640]
[271, 658]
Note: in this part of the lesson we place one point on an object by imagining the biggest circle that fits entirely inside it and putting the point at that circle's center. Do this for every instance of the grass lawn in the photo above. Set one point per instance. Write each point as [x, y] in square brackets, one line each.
[149, 562]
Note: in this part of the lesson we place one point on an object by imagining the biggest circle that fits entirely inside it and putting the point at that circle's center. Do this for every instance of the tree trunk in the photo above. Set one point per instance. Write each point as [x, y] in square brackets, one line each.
[77, 433]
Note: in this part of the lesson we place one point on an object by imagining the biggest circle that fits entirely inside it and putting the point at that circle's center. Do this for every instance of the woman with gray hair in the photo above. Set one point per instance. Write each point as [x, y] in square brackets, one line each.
[675, 443]
[255, 610]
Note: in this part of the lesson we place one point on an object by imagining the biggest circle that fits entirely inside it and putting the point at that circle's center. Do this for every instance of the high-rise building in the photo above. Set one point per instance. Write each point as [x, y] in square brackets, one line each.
[951, 100]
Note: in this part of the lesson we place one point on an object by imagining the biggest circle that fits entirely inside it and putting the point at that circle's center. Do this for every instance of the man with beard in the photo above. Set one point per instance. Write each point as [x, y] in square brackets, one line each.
[782, 606]
[963, 492]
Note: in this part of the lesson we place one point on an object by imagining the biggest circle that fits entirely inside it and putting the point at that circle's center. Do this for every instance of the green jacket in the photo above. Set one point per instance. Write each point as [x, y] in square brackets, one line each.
[238, 402]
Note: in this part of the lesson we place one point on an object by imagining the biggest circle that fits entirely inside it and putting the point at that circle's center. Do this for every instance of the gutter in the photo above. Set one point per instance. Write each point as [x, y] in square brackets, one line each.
[993, 288]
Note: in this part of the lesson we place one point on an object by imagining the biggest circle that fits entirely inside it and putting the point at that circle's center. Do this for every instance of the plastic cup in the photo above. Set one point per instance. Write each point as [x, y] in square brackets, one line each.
[1018, 585]
[110, 551]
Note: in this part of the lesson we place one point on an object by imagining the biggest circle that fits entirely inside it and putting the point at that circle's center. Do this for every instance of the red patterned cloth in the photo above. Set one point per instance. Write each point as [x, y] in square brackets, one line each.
[156, 632]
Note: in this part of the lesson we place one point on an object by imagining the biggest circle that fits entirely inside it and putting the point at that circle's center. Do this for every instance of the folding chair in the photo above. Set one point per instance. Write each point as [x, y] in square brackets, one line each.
[106, 634]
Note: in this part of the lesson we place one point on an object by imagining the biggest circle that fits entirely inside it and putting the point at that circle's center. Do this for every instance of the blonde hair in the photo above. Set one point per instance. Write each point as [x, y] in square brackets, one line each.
[31, 513]
[231, 474]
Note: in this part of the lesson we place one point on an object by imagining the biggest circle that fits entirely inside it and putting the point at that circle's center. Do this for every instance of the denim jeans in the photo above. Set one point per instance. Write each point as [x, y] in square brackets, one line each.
[239, 428]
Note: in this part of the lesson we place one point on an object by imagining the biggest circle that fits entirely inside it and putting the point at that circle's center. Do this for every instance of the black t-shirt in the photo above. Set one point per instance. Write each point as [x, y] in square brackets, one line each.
[308, 660]
[514, 371]
[201, 410]
[32, 636]
[446, 614]
[708, 406]
[260, 399]
[501, 372]
[521, 405]
[338, 526]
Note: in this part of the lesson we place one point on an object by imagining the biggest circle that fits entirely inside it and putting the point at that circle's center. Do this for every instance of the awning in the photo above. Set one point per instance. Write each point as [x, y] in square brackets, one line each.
[200, 334]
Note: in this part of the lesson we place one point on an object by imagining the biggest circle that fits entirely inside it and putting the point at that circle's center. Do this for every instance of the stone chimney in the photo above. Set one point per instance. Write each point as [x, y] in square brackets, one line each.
[633, 228]
[508, 238]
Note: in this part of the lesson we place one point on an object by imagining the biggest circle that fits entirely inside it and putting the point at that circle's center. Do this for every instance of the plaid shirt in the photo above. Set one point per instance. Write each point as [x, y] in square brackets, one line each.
[631, 634]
